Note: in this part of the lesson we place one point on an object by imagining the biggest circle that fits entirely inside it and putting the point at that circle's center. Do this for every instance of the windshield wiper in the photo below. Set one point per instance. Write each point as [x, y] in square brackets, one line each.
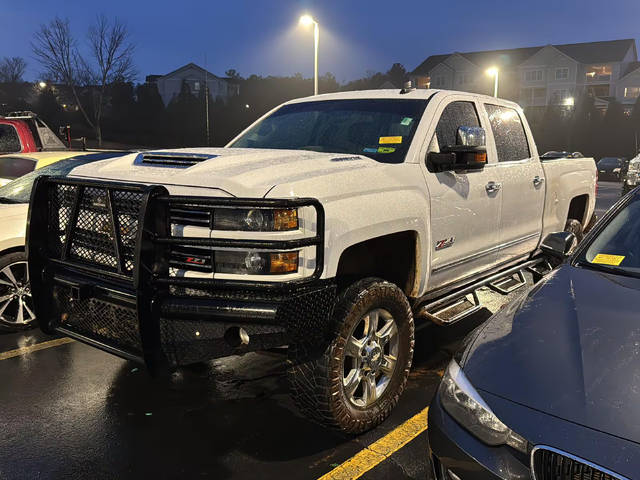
[607, 269]
[8, 200]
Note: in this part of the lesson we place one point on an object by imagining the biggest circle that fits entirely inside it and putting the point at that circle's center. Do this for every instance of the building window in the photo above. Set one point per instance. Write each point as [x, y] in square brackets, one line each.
[631, 92]
[438, 81]
[598, 73]
[422, 82]
[196, 86]
[533, 75]
[562, 73]
[464, 79]
[598, 90]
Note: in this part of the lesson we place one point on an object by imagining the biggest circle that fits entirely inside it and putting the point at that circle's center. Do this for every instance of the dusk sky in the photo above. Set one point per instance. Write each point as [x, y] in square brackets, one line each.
[263, 37]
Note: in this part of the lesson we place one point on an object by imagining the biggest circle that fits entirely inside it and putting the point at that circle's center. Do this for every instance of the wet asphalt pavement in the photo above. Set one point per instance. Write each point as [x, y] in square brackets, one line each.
[72, 411]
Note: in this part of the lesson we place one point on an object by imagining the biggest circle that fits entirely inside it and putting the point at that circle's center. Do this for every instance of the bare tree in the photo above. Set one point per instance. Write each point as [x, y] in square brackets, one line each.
[112, 54]
[110, 60]
[12, 69]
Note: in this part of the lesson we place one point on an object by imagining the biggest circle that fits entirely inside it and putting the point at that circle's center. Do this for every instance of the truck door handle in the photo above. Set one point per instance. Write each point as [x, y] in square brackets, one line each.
[493, 187]
[537, 181]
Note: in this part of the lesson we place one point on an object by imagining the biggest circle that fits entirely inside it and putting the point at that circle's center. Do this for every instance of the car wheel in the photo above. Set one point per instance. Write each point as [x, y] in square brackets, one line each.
[357, 381]
[575, 227]
[16, 304]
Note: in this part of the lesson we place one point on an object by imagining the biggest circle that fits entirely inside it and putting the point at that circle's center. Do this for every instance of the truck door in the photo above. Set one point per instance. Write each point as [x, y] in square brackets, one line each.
[465, 205]
[521, 176]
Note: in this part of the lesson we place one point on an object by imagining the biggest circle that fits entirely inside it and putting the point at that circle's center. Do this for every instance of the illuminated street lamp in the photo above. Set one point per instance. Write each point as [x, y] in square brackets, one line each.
[42, 85]
[307, 20]
[494, 72]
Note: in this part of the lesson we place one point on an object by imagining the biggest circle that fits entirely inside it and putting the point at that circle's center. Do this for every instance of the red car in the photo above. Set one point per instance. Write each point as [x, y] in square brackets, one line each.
[24, 132]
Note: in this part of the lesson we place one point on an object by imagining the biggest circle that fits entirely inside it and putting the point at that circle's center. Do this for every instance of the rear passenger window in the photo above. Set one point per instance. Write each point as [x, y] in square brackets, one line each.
[455, 115]
[508, 132]
[12, 168]
[9, 140]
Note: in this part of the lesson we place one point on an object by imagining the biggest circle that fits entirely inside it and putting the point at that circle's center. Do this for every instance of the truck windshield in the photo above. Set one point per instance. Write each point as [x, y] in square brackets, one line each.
[381, 129]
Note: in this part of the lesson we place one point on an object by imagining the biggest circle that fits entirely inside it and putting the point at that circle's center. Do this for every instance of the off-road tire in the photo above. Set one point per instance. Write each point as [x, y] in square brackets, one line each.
[316, 383]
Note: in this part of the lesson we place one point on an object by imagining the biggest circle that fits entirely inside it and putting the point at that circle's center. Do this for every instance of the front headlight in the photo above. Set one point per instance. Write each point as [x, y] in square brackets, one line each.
[466, 406]
[255, 219]
[616, 170]
[256, 263]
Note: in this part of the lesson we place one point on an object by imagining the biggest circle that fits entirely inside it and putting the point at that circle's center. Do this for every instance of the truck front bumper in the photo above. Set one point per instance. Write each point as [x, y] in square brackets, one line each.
[99, 261]
[187, 329]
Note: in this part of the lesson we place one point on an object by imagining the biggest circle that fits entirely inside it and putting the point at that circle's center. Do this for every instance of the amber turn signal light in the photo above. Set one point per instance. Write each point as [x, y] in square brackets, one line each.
[285, 219]
[481, 158]
[284, 262]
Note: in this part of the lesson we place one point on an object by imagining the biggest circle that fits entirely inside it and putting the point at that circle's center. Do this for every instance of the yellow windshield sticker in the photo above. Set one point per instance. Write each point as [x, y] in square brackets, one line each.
[384, 140]
[386, 149]
[605, 259]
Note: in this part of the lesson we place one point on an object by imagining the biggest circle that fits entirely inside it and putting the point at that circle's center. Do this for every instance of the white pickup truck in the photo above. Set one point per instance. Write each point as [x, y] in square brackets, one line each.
[329, 226]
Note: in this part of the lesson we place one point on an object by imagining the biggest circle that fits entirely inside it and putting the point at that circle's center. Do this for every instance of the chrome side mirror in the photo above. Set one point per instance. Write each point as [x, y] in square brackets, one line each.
[558, 244]
[471, 137]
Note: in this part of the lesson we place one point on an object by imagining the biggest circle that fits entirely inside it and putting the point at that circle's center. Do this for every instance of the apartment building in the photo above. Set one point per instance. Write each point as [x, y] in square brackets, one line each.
[541, 76]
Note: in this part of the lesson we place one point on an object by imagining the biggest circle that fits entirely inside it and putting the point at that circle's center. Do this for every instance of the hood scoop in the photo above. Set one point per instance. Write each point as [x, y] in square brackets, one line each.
[171, 159]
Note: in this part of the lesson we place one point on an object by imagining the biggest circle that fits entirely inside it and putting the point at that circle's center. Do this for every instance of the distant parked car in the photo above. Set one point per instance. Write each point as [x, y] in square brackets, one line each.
[553, 154]
[16, 308]
[16, 165]
[632, 177]
[552, 382]
[611, 168]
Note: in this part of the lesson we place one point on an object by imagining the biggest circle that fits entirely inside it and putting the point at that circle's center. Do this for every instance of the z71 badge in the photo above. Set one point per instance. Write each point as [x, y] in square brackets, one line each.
[446, 243]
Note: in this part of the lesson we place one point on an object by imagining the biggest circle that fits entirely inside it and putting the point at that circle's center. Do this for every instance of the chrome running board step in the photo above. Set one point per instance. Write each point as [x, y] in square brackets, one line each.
[459, 304]
[509, 283]
[453, 311]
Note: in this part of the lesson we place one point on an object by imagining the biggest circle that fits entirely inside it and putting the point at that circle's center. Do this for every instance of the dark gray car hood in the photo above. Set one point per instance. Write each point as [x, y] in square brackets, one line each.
[570, 348]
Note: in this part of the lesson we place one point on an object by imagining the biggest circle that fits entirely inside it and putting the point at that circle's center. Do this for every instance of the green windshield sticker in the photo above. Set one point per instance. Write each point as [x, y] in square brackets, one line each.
[386, 149]
[406, 121]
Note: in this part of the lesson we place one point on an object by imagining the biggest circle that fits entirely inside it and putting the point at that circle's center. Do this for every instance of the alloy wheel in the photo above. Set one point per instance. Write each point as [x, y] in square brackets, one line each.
[16, 303]
[370, 358]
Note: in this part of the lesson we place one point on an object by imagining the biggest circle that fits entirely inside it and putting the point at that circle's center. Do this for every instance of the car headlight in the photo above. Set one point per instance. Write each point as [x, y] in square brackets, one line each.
[255, 219]
[466, 406]
[256, 263]
[616, 170]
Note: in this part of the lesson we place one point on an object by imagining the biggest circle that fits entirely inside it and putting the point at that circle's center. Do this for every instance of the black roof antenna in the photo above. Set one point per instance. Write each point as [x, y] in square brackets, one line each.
[408, 87]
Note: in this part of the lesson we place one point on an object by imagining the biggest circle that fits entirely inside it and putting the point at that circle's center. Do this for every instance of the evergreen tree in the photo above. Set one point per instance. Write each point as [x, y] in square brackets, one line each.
[615, 139]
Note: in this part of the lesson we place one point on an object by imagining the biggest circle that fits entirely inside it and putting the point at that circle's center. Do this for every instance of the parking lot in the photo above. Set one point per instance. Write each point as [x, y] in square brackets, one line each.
[69, 410]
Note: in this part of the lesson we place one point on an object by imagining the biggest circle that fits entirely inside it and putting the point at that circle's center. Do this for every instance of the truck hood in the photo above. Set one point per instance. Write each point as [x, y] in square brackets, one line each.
[240, 172]
[570, 348]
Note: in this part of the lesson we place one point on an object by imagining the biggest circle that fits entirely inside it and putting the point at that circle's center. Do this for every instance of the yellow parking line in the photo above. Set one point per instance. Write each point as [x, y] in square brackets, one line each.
[34, 348]
[380, 450]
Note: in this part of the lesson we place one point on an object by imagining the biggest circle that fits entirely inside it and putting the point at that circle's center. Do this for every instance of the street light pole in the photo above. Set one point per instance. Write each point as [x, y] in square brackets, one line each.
[494, 72]
[316, 41]
[308, 20]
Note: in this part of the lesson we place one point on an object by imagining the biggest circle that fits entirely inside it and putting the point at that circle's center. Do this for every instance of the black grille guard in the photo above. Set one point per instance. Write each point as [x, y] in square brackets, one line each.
[96, 246]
